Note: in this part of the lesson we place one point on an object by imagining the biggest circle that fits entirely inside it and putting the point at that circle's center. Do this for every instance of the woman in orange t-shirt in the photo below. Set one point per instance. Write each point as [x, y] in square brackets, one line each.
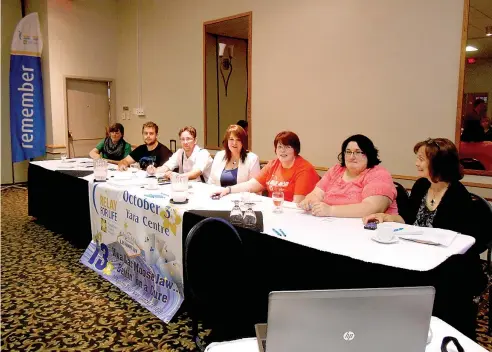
[289, 172]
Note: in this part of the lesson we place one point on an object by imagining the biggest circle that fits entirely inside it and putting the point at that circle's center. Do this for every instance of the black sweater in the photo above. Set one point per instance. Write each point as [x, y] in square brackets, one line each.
[455, 212]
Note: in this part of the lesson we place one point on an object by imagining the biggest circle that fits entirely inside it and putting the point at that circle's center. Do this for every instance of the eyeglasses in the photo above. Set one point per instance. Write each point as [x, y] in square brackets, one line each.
[284, 147]
[356, 153]
[186, 140]
[431, 141]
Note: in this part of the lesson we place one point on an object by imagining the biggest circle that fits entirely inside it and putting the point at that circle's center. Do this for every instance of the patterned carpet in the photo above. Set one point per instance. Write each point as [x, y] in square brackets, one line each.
[51, 302]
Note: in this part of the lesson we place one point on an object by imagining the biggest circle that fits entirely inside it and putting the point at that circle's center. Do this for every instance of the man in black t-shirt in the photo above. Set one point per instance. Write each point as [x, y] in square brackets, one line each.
[150, 155]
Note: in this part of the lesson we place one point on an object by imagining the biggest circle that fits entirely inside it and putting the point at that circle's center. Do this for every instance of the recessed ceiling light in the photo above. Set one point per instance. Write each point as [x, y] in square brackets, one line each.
[470, 48]
[488, 31]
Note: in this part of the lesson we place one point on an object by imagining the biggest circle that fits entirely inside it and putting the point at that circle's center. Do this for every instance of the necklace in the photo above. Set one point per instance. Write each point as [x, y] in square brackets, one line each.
[433, 200]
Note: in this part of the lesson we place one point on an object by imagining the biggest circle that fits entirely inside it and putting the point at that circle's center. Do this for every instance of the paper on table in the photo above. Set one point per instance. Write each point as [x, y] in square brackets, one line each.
[290, 205]
[403, 229]
[127, 182]
[441, 236]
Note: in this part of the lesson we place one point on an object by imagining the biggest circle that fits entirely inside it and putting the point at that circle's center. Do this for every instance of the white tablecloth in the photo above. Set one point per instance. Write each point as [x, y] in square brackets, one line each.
[345, 237]
[69, 164]
[439, 330]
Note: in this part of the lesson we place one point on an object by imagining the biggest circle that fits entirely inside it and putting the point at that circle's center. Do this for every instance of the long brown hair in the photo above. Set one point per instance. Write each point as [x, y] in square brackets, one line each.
[238, 132]
[444, 162]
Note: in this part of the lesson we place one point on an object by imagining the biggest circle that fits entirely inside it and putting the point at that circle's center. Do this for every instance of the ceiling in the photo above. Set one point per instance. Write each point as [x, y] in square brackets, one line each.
[480, 16]
[235, 28]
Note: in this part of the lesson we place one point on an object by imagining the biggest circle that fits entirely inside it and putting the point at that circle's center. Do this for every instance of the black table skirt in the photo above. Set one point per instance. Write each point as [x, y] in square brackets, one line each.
[277, 265]
[60, 202]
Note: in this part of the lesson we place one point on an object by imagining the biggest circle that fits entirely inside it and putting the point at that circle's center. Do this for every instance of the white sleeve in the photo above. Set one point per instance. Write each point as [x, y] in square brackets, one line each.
[254, 167]
[212, 179]
[172, 163]
[202, 160]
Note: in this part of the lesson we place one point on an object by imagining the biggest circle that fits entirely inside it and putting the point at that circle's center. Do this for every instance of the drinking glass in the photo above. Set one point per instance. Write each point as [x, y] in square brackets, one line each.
[179, 183]
[236, 216]
[100, 170]
[134, 168]
[63, 157]
[278, 200]
[249, 218]
[245, 199]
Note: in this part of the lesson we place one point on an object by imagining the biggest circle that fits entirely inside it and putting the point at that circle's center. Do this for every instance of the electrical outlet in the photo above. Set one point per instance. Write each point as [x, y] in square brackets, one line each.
[139, 111]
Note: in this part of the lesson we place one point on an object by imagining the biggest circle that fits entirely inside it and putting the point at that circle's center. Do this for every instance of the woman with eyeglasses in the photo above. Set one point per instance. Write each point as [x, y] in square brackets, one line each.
[289, 172]
[438, 199]
[234, 164]
[356, 187]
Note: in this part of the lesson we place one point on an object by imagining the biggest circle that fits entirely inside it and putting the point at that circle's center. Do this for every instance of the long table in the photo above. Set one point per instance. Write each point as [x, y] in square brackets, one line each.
[58, 198]
[137, 238]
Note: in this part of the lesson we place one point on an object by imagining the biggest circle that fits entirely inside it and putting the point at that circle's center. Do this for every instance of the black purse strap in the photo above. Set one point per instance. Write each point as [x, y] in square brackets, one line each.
[447, 340]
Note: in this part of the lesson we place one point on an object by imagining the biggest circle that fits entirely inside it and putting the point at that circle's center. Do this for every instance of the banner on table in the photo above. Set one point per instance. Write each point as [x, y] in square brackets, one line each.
[136, 245]
[27, 122]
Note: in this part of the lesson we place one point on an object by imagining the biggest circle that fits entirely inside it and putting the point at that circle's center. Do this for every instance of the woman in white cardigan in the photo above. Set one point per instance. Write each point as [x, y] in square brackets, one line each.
[234, 164]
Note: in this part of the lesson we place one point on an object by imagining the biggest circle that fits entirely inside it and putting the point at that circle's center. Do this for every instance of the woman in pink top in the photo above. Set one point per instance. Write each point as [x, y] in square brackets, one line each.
[356, 187]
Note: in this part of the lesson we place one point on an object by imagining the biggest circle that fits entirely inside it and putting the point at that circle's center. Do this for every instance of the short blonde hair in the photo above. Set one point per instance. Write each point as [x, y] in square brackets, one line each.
[191, 130]
[151, 124]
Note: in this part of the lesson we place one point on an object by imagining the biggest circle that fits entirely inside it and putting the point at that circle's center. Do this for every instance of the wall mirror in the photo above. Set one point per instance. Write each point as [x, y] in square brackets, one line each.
[227, 76]
[473, 126]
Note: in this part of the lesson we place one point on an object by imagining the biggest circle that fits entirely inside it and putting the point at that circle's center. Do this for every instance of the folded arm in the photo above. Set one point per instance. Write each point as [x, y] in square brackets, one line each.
[252, 186]
[370, 205]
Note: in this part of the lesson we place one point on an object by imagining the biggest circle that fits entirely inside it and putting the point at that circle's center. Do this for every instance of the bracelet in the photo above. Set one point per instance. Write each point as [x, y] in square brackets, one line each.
[230, 189]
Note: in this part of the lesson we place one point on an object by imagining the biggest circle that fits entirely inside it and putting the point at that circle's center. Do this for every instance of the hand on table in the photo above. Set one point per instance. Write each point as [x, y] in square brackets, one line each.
[320, 209]
[122, 167]
[378, 217]
[308, 202]
[221, 192]
[168, 174]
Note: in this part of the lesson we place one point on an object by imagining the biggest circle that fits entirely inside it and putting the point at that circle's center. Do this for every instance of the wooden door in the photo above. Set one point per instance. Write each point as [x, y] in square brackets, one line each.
[88, 114]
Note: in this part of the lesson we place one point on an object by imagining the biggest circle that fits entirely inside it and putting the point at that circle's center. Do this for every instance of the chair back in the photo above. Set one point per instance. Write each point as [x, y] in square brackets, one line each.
[215, 282]
[172, 145]
[402, 199]
[482, 211]
[471, 164]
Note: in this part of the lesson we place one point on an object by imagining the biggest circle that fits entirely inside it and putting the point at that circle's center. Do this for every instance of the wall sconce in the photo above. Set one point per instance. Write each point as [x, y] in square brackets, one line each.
[226, 63]
[488, 31]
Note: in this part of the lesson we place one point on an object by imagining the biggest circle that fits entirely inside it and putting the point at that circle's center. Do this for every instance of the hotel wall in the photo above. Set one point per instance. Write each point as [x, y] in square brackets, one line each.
[324, 69]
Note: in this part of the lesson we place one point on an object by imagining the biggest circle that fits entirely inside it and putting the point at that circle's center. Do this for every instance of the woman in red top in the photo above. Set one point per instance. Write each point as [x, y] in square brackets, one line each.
[289, 172]
[356, 187]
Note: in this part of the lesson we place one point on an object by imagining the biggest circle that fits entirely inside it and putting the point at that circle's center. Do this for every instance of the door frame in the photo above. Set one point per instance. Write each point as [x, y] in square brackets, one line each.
[112, 101]
[249, 56]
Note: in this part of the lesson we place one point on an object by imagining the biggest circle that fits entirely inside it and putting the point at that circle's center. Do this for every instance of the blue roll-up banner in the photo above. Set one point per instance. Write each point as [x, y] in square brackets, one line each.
[27, 122]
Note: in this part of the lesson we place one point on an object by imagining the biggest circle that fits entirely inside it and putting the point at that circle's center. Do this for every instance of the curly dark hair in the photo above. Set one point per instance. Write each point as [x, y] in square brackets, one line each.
[365, 145]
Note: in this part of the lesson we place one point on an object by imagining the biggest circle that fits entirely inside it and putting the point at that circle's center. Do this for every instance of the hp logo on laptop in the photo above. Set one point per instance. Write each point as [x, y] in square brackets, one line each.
[348, 336]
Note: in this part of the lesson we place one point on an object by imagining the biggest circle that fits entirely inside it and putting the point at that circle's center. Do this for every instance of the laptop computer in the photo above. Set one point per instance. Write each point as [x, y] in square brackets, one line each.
[370, 320]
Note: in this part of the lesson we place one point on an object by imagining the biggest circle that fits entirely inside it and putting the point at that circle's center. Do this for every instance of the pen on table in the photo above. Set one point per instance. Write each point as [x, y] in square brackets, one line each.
[401, 228]
[278, 233]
